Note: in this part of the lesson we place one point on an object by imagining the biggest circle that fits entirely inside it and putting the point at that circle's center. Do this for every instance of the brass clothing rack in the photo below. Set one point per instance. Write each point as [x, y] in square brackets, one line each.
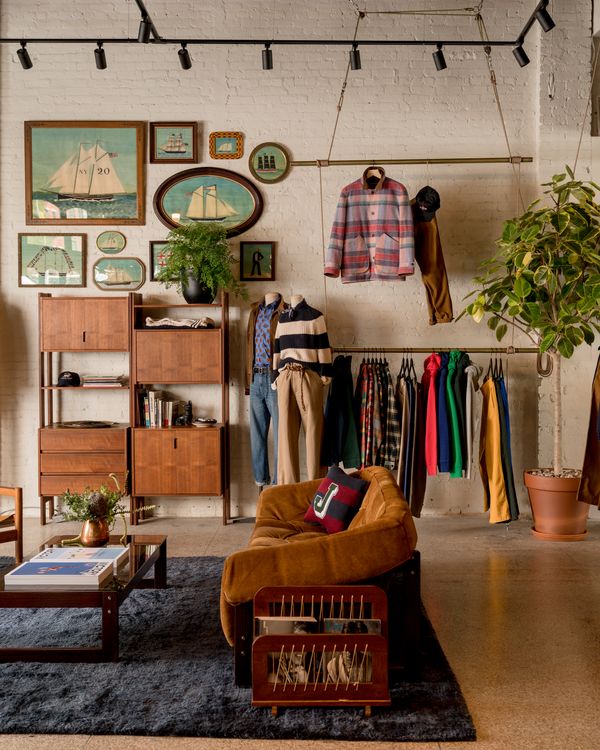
[430, 349]
[374, 162]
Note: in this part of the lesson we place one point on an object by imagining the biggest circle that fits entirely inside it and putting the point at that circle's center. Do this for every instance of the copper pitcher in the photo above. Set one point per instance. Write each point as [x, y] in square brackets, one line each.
[95, 533]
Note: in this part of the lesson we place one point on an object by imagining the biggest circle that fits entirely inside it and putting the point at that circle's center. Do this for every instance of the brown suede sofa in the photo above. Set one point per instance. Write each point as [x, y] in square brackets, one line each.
[284, 550]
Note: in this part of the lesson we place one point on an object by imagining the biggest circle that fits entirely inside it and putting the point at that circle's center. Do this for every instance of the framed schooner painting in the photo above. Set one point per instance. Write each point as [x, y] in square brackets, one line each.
[118, 274]
[209, 194]
[173, 142]
[84, 172]
[56, 260]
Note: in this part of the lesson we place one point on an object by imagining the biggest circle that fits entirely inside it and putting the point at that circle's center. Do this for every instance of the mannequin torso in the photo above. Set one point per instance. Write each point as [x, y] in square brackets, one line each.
[296, 299]
[271, 297]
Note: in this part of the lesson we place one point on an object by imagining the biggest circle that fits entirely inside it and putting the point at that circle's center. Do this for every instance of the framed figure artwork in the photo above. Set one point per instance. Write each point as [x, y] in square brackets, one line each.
[269, 162]
[173, 142]
[84, 172]
[119, 274]
[209, 194]
[257, 261]
[55, 260]
[226, 144]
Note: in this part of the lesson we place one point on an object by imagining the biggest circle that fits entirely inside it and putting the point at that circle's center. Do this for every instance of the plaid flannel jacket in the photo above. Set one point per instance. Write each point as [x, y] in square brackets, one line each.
[372, 235]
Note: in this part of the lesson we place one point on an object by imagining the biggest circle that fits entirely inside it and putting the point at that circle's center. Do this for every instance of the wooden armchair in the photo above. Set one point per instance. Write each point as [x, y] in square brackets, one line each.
[11, 521]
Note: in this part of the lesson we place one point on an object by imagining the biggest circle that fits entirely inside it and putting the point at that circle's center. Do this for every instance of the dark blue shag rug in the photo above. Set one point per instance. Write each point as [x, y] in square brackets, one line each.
[175, 677]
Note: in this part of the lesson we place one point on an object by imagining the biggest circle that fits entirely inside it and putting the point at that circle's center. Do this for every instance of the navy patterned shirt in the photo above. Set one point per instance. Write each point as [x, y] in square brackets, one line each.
[262, 335]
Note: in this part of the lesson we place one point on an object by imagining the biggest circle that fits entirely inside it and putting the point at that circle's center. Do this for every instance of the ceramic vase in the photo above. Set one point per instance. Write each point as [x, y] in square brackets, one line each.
[195, 292]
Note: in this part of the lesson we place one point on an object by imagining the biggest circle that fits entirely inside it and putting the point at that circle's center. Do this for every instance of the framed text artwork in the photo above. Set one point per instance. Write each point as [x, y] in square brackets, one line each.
[209, 194]
[84, 172]
[173, 142]
[269, 162]
[56, 260]
[226, 144]
[118, 274]
[111, 243]
[257, 261]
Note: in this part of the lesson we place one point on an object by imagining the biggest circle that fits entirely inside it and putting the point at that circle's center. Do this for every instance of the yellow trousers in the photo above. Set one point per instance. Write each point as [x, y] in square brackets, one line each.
[490, 456]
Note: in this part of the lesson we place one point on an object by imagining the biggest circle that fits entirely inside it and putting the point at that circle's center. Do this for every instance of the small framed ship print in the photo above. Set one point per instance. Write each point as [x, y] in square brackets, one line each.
[111, 243]
[119, 274]
[173, 142]
[226, 144]
[56, 260]
[269, 162]
[84, 172]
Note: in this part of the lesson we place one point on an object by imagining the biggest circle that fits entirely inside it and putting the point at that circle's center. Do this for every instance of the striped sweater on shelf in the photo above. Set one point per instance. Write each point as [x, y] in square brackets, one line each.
[301, 339]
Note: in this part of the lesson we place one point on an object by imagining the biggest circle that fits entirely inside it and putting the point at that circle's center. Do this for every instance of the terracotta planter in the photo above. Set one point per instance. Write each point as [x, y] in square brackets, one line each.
[557, 514]
[95, 533]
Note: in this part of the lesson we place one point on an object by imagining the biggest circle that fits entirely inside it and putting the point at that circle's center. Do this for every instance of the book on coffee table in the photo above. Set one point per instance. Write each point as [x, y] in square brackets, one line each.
[115, 553]
[58, 575]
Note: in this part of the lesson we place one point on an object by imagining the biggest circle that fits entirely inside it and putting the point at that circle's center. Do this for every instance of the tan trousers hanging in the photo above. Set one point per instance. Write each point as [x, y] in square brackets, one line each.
[299, 402]
[490, 457]
[589, 487]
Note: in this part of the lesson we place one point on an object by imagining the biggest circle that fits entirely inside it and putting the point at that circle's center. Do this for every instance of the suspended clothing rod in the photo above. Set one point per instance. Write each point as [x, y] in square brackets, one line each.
[373, 162]
[429, 349]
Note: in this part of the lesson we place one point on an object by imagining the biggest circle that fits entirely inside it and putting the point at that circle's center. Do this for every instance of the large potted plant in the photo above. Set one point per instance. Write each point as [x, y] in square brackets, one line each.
[199, 262]
[545, 282]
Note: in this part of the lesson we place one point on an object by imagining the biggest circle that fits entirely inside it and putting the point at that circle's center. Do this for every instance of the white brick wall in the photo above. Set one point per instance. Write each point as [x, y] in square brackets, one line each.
[396, 106]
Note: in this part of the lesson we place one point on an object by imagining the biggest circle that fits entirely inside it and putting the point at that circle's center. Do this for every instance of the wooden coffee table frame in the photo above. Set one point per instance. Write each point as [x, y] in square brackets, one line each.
[109, 600]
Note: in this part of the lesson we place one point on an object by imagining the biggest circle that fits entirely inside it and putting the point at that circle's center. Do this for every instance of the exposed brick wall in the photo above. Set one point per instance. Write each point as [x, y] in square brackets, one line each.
[396, 106]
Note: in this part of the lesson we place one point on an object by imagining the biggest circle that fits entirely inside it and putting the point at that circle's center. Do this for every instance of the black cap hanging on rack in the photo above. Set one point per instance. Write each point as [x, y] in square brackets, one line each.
[427, 201]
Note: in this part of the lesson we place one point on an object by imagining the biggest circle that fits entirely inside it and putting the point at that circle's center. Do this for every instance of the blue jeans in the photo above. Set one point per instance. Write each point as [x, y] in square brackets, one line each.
[263, 409]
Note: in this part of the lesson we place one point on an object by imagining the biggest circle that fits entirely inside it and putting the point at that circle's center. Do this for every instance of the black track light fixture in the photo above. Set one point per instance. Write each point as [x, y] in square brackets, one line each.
[184, 57]
[355, 58]
[145, 30]
[267, 58]
[100, 56]
[544, 19]
[520, 56]
[23, 56]
[439, 59]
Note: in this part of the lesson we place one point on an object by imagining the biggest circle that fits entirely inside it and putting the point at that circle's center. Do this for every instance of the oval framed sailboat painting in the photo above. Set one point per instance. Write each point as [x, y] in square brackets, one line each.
[118, 274]
[84, 172]
[209, 194]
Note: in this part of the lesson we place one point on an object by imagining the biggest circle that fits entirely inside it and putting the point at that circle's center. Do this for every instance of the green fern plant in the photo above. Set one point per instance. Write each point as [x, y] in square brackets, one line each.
[545, 279]
[200, 250]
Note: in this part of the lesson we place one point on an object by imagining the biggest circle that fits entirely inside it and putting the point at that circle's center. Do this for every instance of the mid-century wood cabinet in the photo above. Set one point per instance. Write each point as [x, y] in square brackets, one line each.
[180, 460]
[76, 458]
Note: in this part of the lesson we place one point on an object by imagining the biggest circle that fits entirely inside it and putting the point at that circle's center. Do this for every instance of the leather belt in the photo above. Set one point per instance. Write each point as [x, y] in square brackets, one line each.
[261, 370]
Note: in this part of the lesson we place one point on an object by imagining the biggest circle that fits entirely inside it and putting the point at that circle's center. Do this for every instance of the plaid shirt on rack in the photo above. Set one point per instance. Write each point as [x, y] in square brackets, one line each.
[391, 448]
[372, 235]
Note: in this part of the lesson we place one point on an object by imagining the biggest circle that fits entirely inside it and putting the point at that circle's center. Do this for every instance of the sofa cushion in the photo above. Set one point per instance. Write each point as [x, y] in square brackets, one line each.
[336, 501]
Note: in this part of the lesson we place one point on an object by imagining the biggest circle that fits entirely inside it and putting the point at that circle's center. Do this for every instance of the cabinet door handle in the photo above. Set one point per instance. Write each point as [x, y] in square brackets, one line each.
[83, 336]
[175, 443]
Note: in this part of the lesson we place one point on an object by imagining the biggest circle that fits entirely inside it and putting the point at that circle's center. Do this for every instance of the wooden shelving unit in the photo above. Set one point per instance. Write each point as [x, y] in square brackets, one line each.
[180, 460]
[77, 458]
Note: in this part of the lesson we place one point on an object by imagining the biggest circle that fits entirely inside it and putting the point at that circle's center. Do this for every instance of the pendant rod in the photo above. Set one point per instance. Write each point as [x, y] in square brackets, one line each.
[373, 162]
[428, 350]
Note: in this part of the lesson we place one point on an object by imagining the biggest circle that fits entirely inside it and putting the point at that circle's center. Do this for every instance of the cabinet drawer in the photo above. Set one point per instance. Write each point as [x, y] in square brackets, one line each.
[182, 356]
[83, 463]
[178, 461]
[56, 484]
[79, 441]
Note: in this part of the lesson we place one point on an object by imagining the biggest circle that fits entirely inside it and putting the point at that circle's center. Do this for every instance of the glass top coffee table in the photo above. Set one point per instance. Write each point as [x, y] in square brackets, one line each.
[147, 554]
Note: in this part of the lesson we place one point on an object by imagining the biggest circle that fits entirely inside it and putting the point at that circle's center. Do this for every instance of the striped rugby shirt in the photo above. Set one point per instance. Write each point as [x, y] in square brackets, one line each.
[301, 338]
[372, 235]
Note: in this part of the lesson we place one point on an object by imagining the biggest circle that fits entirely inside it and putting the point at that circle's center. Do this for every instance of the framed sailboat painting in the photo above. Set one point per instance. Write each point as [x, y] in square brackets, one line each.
[118, 274]
[173, 142]
[209, 194]
[84, 172]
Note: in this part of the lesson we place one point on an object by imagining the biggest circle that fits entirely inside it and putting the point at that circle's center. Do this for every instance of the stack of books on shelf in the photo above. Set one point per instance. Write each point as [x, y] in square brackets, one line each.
[104, 381]
[157, 409]
[69, 568]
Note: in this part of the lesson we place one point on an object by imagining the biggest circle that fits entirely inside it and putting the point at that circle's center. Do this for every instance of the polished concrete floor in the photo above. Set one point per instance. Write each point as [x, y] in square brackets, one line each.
[518, 618]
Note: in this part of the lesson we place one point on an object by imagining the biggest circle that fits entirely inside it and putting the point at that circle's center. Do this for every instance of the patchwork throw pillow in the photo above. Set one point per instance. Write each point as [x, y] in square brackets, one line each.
[337, 500]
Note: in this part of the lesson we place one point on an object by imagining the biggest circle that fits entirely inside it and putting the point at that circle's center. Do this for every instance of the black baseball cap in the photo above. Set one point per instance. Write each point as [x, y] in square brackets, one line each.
[428, 201]
[68, 378]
